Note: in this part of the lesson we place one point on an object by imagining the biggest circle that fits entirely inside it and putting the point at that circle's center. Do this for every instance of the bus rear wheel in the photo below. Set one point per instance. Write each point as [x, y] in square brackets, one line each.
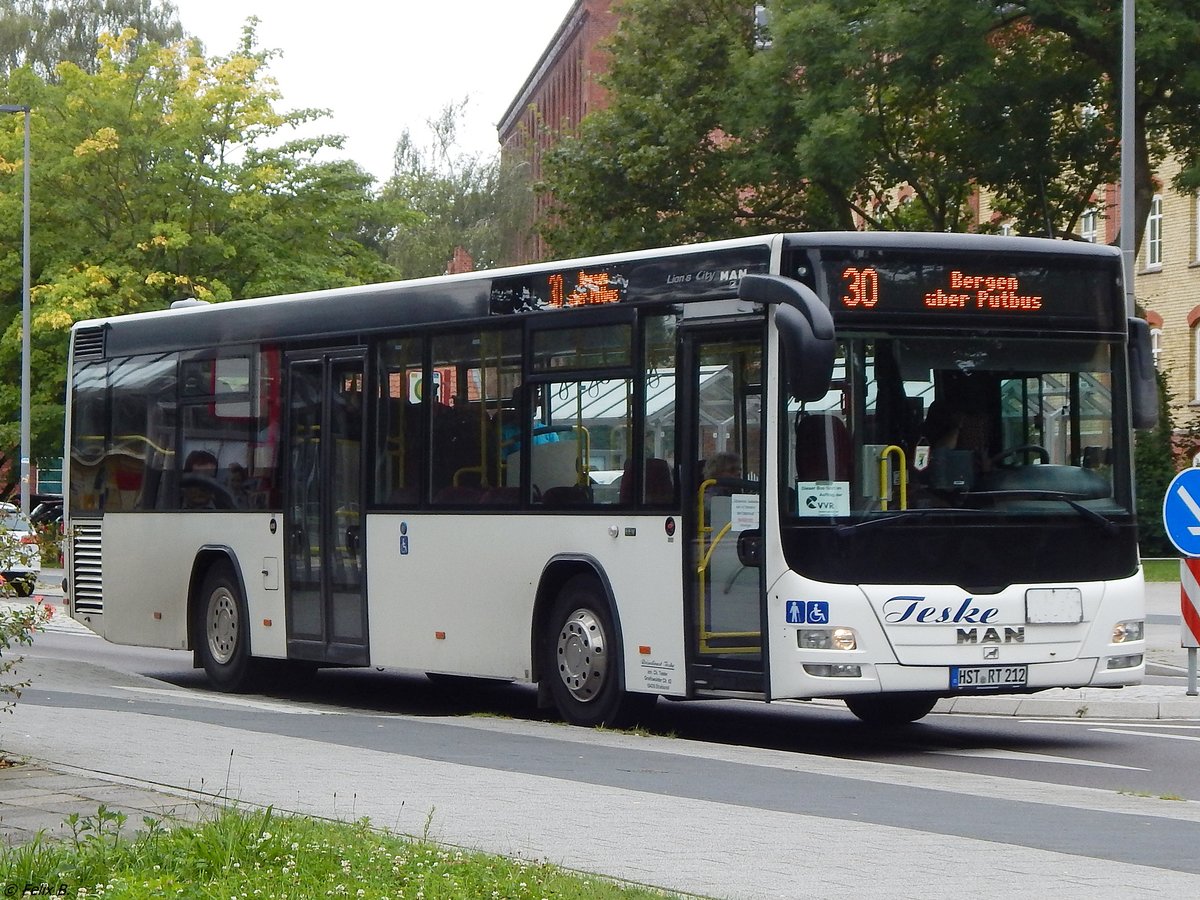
[890, 710]
[222, 630]
[582, 662]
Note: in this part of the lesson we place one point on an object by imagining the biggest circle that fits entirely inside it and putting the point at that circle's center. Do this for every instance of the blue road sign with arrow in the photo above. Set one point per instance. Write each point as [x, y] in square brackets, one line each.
[1181, 512]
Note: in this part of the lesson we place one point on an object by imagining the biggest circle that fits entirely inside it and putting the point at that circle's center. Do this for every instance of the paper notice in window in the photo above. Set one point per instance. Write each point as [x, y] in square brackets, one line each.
[822, 498]
[744, 512]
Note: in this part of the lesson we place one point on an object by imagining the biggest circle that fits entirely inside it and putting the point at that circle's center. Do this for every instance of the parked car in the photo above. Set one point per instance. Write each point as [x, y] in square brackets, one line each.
[47, 511]
[20, 557]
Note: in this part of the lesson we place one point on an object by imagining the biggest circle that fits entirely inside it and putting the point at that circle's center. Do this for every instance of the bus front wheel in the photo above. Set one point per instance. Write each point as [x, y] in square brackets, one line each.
[890, 710]
[223, 630]
[582, 661]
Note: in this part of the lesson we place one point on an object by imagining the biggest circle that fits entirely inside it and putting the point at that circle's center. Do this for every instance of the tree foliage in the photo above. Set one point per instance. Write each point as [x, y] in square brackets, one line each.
[159, 175]
[657, 166]
[1155, 467]
[454, 199]
[888, 113]
[41, 34]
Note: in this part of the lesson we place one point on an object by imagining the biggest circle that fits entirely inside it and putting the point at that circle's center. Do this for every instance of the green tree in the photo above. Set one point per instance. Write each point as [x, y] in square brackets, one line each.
[890, 113]
[658, 165]
[43, 33]
[161, 175]
[452, 199]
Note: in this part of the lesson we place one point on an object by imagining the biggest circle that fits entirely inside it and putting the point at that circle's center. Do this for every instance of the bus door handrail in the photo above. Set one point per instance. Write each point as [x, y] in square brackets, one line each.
[705, 551]
[885, 486]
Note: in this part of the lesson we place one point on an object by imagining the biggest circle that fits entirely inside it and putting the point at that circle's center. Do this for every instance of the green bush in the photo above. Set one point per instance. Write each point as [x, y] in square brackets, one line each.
[1155, 466]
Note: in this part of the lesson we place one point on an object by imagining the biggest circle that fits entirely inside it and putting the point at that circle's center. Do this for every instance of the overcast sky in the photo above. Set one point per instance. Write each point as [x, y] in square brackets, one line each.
[382, 66]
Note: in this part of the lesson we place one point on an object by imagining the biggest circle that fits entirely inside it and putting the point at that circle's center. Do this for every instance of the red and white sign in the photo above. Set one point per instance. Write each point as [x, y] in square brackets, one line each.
[1189, 601]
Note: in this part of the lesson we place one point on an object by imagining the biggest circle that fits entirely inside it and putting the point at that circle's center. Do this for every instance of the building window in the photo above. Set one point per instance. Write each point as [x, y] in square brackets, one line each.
[1154, 234]
[1088, 225]
[1156, 344]
[1196, 363]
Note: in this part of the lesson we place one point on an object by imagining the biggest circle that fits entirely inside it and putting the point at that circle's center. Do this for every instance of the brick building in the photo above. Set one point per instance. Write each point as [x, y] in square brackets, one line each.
[558, 93]
[1168, 289]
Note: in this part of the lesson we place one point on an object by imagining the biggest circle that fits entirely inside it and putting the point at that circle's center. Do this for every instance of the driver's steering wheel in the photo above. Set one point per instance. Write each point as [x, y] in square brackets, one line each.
[1021, 449]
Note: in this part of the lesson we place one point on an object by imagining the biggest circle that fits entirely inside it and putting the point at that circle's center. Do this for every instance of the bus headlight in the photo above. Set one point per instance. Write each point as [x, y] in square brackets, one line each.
[1132, 630]
[826, 639]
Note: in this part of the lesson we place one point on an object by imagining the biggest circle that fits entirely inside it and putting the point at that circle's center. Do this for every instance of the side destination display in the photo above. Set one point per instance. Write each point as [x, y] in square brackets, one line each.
[693, 276]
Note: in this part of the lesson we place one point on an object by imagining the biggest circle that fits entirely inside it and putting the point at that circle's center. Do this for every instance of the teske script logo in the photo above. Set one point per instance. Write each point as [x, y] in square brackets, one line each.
[918, 611]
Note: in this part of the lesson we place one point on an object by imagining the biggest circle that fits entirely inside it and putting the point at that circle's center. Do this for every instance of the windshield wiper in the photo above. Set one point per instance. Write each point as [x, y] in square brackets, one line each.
[900, 516]
[1093, 517]
[1098, 519]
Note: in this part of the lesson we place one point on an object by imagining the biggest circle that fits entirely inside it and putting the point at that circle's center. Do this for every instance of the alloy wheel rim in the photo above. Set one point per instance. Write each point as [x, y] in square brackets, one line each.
[222, 626]
[582, 661]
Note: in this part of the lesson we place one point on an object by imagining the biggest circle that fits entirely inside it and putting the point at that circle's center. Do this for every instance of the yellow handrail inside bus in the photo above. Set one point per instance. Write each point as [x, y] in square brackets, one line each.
[885, 482]
[583, 455]
[705, 551]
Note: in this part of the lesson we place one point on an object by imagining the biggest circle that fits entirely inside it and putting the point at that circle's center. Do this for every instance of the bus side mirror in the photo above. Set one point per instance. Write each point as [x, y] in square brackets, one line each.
[1143, 385]
[805, 330]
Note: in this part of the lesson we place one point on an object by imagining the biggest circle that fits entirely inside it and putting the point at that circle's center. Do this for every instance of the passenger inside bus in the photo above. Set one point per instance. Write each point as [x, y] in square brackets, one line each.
[199, 479]
[957, 433]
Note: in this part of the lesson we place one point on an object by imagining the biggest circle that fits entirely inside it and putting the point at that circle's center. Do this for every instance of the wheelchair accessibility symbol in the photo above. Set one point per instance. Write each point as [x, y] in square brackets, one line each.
[807, 612]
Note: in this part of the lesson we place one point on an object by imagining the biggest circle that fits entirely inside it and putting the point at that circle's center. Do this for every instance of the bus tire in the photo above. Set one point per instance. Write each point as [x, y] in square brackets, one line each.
[222, 630]
[582, 660]
[891, 710]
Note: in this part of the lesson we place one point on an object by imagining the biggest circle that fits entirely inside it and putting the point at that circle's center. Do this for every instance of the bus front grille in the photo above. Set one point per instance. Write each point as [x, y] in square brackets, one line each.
[87, 580]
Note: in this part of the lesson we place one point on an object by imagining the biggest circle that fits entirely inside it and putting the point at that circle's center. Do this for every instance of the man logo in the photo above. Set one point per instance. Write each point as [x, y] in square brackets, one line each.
[991, 636]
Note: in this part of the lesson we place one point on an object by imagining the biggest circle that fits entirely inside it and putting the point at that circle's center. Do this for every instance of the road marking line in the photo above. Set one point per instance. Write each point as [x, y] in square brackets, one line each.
[1170, 737]
[1093, 723]
[1018, 756]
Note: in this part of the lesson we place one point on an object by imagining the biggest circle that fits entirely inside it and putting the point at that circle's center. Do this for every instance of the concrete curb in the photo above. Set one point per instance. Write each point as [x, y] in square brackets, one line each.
[1144, 702]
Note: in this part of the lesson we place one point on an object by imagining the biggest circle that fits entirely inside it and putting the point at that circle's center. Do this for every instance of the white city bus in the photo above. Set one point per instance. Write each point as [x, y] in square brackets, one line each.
[885, 468]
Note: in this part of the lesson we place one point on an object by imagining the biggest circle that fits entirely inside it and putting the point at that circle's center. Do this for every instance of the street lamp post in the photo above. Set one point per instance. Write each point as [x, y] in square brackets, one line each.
[1128, 140]
[25, 324]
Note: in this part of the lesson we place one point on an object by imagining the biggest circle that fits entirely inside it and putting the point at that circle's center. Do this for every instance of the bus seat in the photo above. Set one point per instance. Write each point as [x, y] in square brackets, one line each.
[404, 496]
[822, 448]
[457, 495]
[501, 496]
[659, 484]
[566, 496]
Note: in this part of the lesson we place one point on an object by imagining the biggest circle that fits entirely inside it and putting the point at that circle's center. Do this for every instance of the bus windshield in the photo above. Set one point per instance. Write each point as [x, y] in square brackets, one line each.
[942, 424]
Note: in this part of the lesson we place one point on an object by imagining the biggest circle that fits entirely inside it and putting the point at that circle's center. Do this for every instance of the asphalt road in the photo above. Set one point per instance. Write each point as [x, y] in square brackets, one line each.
[724, 799]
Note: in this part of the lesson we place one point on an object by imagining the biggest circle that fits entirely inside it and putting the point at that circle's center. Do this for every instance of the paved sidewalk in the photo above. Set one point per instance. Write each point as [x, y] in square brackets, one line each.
[36, 799]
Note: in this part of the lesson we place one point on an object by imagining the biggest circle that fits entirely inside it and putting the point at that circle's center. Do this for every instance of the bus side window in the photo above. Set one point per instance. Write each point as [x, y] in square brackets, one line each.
[456, 457]
[400, 421]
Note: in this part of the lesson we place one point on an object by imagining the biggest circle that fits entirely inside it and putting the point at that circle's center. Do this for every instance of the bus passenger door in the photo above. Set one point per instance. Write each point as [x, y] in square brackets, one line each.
[722, 493]
[324, 540]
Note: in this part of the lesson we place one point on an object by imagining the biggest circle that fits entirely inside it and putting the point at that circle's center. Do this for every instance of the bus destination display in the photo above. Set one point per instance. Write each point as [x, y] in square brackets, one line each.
[972, 292]
[688, 277]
